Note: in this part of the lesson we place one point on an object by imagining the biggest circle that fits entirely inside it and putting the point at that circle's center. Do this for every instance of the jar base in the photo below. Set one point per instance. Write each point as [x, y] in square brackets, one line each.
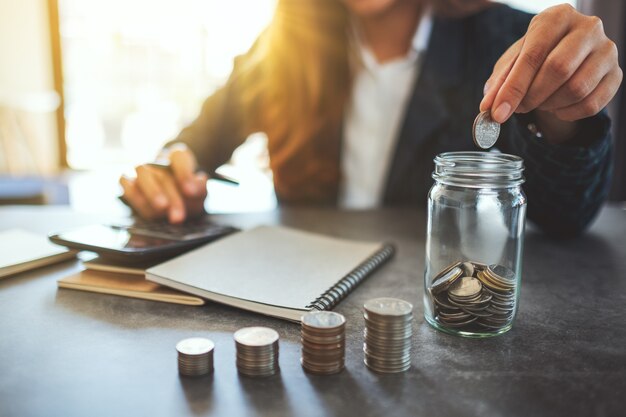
[473, 335]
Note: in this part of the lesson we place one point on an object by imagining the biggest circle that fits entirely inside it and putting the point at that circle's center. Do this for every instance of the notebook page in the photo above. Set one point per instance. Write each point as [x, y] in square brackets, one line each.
[272, 265]
[19, 246]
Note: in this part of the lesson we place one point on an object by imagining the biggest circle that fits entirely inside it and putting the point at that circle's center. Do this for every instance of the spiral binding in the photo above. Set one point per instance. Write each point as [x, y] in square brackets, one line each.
[332, 296]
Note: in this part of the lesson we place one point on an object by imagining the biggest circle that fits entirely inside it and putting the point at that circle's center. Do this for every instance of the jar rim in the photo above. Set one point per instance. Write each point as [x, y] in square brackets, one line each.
[479, 169]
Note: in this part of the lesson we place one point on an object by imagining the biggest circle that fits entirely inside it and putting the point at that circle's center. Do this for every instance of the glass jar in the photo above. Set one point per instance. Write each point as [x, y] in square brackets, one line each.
[474, 242]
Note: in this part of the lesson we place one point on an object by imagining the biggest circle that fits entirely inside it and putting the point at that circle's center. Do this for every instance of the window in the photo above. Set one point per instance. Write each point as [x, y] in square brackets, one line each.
[135, 72]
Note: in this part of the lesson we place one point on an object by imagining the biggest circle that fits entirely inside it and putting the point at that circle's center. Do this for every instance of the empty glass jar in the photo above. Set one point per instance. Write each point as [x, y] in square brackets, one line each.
[474, 242]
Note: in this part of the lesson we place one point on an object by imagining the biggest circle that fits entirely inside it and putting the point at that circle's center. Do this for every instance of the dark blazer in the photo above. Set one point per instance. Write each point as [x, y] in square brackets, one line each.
[565, 184]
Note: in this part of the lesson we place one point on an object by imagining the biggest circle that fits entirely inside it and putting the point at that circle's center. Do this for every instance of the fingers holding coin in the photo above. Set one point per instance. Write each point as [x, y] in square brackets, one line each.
[564, 64]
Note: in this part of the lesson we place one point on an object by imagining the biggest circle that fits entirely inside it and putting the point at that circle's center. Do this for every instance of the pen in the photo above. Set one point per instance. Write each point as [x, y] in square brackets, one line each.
[214, 176]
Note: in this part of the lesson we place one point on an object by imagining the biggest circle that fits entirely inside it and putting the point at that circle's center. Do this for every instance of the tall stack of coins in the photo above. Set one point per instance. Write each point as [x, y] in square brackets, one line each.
[195, 356]
[388, 333]
[471, 295]
[323, 342]
[499, 282]
[257, 351]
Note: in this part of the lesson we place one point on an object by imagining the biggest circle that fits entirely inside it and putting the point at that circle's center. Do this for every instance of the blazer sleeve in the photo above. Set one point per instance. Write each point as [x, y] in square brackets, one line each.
[222, 125]
[565, 184]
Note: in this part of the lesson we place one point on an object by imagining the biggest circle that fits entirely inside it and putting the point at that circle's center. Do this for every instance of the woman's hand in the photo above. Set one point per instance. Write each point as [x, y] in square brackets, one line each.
[564, 68]
[156, 193]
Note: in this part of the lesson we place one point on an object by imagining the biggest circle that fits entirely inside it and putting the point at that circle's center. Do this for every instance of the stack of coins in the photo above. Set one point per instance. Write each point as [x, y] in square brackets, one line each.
[499, 282]
[470, 294]
[323, 342]
[195, 356]
[257, 351]
[388, 332]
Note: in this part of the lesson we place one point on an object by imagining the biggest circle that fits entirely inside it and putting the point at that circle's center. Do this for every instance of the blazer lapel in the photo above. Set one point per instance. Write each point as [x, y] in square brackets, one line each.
[427, 110]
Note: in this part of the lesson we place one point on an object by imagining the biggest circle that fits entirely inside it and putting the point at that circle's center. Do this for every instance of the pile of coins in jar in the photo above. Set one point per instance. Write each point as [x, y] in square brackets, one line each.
[467, 295]
[387, 343]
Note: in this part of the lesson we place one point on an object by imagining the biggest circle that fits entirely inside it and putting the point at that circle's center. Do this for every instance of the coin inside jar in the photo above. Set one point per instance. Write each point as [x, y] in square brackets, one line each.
[465, 287]
[485, 131]
[488, 305]
[441, 282]
[502, 272]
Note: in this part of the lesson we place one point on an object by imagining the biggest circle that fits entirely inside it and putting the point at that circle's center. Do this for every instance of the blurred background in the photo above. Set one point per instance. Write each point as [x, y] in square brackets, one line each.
[91, 88]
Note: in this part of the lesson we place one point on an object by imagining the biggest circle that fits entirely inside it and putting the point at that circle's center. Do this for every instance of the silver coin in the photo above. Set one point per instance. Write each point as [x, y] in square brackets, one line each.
[503, 273]
[444, 281]
[465, 287]
[195, 346]
[380, 368]
[323, 319]
[385, 306]
[256, 336]
[479, 265]
[468, 268]
[485, 130]
[323, 342]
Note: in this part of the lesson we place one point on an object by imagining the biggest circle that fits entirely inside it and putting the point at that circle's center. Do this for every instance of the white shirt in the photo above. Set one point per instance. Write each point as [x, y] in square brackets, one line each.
[375, 110]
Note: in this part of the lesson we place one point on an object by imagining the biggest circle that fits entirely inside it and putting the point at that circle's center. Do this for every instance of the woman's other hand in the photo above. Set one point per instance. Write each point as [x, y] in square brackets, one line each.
[175, 194]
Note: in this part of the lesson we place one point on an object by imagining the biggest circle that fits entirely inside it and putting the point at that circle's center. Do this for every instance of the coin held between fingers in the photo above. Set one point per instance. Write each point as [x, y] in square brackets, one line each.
[485, 131]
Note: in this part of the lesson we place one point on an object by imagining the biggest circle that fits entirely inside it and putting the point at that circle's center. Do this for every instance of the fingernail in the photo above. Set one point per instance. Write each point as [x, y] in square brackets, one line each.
[502, 112]
[485, 88]
[482, 102]
[160, 200]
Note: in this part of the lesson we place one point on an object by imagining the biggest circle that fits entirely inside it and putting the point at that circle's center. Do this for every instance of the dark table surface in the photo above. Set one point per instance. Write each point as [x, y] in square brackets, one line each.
[71, 353]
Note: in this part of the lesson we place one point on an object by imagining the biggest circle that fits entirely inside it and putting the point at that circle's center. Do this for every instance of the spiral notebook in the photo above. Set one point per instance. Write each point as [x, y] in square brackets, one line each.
[276, 271]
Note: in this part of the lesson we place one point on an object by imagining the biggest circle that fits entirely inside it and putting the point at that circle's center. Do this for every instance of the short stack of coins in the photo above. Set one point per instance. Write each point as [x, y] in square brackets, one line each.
[323, 335]
[388, 333]
[257, 351]
[195, 356]
[470, 295]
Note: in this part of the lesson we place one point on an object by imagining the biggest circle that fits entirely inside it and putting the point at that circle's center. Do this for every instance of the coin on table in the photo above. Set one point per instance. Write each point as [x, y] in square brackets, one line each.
[388, 333]
[323, 342]
[195, 346]
[323, 320]
[257, 351]
[195, 356]
[485, 131]
[256, 336]
[388, 307]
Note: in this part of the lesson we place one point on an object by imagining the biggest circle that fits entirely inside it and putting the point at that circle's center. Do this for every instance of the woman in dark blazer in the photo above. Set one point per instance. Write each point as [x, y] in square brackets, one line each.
[546, 78]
